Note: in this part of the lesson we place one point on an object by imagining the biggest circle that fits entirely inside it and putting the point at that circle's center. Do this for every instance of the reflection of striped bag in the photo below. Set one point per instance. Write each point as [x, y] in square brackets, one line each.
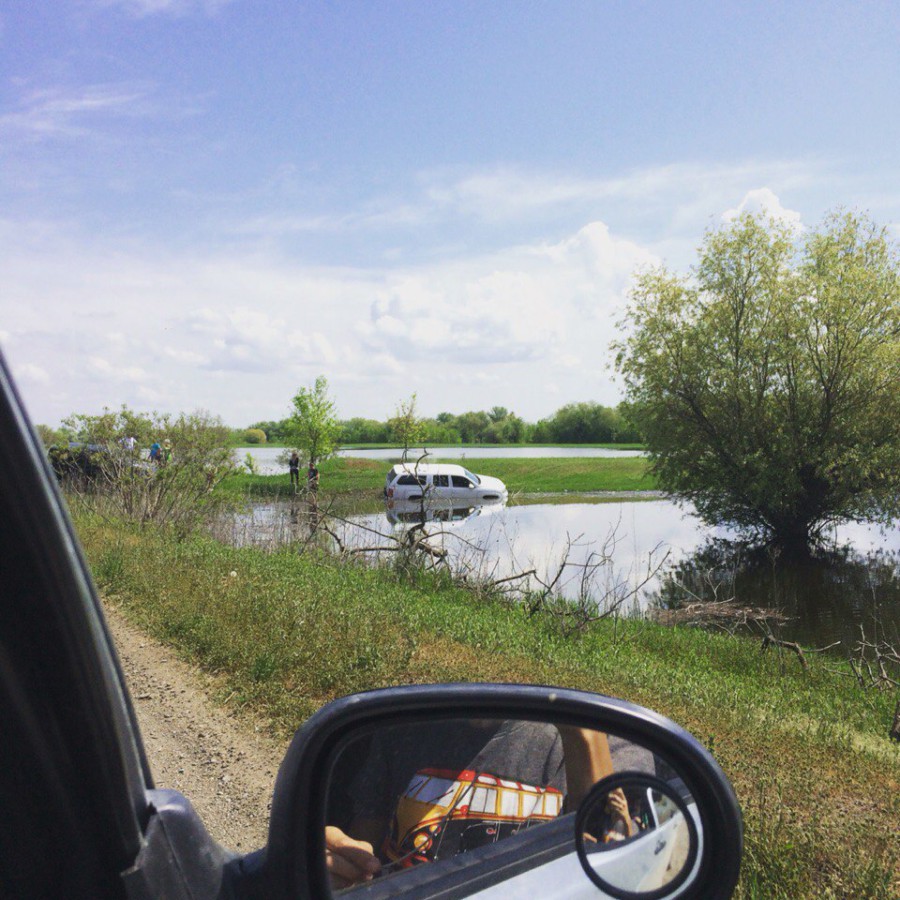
[445, 812]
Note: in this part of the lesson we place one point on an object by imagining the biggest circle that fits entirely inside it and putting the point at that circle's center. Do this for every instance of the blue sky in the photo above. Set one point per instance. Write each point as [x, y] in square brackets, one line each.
[206, 203]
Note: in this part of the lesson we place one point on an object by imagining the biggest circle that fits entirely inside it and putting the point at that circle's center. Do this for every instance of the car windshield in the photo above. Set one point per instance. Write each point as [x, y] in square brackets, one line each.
[473, 478]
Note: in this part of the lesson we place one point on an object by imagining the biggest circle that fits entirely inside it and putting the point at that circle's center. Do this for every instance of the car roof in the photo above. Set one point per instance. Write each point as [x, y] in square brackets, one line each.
[427, 469]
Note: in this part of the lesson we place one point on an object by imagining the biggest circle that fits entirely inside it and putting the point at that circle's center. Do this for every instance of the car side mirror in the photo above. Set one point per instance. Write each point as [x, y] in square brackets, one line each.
[638, 835]
[498, 791]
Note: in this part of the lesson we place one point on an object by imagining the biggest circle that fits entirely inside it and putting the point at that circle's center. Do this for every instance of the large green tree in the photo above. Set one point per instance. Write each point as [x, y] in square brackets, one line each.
[313, 427]
[767, 382]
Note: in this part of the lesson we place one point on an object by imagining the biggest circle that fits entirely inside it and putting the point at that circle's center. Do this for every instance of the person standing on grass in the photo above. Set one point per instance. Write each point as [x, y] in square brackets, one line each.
[312, 477]
[294, 466]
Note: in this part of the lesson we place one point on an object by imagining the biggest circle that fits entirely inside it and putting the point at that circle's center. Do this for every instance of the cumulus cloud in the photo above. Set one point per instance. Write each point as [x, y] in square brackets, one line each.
[529, 305]
[473, 319]
[237, 335]
[251, 340]
[764, 201]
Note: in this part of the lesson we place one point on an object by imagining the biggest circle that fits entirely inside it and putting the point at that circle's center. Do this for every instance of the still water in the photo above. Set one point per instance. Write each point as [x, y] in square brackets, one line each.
[638, 555]
[266, 458]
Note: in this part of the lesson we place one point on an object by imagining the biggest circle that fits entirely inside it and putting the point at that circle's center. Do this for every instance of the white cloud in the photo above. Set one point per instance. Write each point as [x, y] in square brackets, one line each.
[248, 340]
[111, 324]
[764, 201]
[185, 357]
[114, 371]
[175, 8]
[508, 194]
[31, 373]
[528, 305]
[474, 208]
[63, 111]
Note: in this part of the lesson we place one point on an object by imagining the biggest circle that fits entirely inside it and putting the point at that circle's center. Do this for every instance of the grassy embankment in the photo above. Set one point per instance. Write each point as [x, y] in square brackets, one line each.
[521, 476]
[818, 781]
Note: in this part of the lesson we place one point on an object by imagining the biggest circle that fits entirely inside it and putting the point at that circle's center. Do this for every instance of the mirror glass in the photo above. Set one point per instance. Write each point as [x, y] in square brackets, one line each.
[404, 799]
[637, 835]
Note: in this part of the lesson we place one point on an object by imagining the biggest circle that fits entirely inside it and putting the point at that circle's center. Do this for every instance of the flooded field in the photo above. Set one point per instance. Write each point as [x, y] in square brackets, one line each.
[631, 555]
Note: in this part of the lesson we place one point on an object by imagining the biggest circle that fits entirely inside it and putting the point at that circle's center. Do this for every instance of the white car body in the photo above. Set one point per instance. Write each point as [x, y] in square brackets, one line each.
[638, 866]
[444, 483]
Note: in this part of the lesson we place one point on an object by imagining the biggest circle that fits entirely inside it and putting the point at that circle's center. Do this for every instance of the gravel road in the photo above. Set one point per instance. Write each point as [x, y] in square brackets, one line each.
[224, 766]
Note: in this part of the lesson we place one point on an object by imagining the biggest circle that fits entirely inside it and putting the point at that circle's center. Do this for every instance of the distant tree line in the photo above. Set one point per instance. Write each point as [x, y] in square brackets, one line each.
[574, 423]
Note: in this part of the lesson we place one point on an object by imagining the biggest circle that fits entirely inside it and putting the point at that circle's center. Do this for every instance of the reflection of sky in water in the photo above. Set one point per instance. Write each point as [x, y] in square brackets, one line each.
[637, 537]
[496, 542]
[869, 538]
[267, 457]
[517, 538]
[532, 535]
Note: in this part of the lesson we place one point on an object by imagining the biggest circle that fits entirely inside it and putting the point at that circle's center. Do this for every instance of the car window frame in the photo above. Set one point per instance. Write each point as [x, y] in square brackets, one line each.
[103, 758]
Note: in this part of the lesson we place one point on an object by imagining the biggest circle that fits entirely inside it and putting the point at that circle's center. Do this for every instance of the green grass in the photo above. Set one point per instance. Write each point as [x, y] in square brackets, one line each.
[474, 448]
[578, 475]
[521, 476]
[817, 779]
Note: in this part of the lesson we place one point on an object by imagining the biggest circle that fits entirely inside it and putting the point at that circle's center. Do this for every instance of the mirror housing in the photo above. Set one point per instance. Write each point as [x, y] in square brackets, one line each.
[295, 858]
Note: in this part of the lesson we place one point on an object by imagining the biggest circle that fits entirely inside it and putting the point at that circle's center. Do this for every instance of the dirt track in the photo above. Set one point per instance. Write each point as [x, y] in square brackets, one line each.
[225, 767]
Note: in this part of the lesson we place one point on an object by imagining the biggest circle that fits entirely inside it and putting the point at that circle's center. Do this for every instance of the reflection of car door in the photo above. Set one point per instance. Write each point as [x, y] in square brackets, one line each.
[461, 488]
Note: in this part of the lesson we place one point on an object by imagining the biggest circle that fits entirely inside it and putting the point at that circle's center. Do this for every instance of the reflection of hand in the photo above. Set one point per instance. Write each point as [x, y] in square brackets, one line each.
[348, 861]
[617, 806]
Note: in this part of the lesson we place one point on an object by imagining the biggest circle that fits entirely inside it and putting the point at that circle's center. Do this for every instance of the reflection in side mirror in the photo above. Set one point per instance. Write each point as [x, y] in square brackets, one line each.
[403, 797]
[637, 835]
[462, 783]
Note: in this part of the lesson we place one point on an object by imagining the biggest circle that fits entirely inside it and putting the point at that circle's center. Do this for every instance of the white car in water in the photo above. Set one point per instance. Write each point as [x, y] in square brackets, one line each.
[442, 482]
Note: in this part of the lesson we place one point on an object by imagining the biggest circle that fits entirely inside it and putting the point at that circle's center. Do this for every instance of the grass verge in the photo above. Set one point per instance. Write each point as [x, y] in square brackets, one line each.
[817, 779]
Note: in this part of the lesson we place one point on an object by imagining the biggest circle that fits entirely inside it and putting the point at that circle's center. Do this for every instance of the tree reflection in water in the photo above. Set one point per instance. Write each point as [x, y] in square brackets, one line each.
[826, 594]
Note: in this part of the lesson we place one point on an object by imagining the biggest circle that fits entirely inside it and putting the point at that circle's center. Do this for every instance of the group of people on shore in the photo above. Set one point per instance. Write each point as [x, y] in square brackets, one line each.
[161, 453]
[312, 473]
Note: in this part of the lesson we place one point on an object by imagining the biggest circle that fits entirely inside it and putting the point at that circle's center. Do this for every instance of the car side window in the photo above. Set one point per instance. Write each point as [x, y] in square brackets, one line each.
[460, 482]
[412, 479]
[441, 481]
